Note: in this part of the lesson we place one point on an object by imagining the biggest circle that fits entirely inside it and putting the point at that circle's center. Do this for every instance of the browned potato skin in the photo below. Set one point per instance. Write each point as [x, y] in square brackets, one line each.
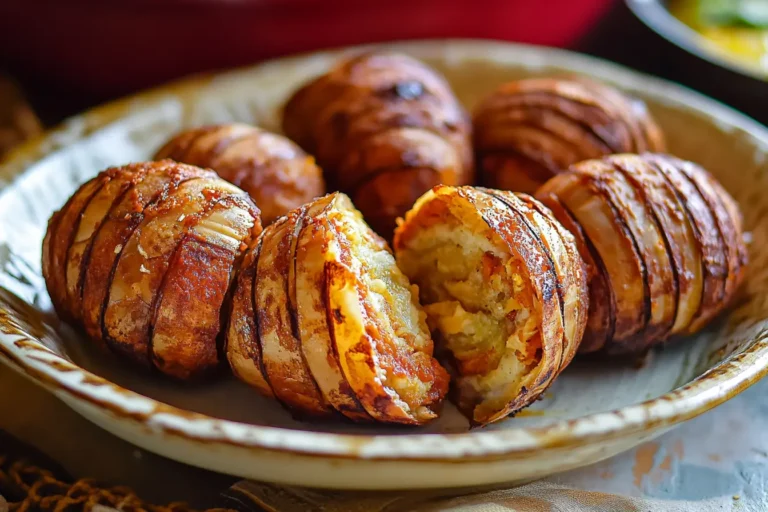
[191, 291]
[701, 228]
[277, 174]
[385, 128]
[529, 130]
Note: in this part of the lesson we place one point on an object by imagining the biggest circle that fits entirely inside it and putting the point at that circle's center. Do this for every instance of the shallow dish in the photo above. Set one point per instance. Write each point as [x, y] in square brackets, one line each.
[594, 410]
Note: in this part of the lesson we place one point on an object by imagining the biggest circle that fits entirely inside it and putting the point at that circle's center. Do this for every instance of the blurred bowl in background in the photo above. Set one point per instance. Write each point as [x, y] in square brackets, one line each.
[109, 48]
[713, 70]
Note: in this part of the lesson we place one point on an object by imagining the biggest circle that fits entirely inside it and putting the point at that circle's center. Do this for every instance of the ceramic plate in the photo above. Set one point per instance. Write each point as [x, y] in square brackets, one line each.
[594, 410]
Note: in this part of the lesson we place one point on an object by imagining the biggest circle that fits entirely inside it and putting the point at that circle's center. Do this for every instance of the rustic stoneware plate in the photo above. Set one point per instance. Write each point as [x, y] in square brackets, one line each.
[594, 410]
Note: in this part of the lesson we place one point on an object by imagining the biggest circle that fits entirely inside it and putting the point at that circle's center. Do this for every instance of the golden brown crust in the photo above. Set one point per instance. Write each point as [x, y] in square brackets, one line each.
[142, 257]
[686, 230]
[379, 114]
[529, 130]
[277, 174]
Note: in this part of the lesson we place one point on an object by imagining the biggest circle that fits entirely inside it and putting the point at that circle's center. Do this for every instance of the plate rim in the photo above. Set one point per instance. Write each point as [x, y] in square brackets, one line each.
[720, 383]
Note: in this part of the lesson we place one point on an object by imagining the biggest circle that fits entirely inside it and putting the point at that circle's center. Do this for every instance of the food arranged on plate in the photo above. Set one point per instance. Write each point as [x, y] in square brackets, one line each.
[488, 292]
[663, 241]
[277, 174]
[527, 131]
[142, 256]
[385, 128]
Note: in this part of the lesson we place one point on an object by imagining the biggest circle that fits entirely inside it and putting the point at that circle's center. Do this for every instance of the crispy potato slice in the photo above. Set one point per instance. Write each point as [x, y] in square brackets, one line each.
[317, 343]
[78, 256]
[730, 231]
[676, 228]
[377, 326]
[242, 345]
[709, 239]
[283, 360]
[61, 232]
[661, 283]
[144, 261]
[589, 203]
[185, 326]
[490, 292]
[570, 268]
[602, 303]
[160, 180]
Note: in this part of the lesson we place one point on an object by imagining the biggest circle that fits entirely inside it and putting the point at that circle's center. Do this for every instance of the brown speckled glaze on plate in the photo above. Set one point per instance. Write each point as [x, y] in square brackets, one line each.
[594, 410]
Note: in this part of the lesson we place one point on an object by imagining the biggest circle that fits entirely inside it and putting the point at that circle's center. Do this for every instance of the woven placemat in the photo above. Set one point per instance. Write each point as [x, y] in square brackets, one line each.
[32, 482]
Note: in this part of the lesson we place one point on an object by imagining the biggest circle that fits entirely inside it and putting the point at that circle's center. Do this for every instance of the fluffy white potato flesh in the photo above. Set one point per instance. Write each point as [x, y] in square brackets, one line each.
[489, 290]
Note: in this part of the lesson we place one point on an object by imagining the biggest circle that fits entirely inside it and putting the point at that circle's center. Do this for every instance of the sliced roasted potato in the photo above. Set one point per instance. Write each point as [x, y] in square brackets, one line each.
[385, 128]
[149, 261]
[686, 233]
[492, 291]
[338, 326]
[276, 173]
[529, 130]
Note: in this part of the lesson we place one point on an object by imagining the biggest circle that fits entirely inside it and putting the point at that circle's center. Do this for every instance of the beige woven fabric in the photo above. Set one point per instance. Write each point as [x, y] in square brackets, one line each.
[535, 497]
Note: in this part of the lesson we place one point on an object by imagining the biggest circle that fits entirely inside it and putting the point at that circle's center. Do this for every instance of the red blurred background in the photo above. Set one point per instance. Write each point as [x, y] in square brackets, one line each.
[105, 48]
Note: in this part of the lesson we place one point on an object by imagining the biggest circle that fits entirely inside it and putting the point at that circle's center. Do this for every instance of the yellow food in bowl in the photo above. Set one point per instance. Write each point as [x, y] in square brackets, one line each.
[740, 43]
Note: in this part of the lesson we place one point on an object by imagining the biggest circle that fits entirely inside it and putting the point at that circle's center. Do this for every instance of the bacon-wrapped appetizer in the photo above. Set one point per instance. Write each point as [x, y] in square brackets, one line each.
[142, 257]
[324, 321]
[663, 243]
[529, 130]
[385, 128]
[277, 174]
[504, 289]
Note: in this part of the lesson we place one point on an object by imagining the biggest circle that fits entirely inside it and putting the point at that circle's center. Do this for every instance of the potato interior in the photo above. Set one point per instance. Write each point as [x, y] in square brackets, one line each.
[478, 301]
[403, 346]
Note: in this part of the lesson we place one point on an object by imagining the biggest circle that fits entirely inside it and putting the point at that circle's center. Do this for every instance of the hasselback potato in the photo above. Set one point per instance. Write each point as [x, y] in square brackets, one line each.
[504, 289]
[385, 128]
[529, 130]
[277, 174]
[142, 256]
[663, 243]
[323, 320]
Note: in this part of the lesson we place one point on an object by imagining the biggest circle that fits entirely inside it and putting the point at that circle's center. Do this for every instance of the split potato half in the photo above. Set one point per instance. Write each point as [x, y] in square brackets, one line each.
[504, 289]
